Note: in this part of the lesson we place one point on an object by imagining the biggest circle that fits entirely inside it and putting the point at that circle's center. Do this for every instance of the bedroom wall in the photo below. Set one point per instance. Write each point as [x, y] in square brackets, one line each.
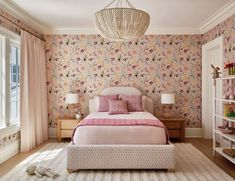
[87, 64]
[9, 143]
[227, 30]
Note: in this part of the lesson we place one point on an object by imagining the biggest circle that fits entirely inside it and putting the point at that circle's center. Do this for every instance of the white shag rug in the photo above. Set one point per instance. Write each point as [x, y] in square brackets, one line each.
[191, 165]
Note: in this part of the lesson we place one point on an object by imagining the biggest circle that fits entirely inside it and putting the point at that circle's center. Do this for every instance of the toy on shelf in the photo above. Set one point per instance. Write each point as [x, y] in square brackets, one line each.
[229, 90]
[226, 129]
[229, 110]
[215, 73]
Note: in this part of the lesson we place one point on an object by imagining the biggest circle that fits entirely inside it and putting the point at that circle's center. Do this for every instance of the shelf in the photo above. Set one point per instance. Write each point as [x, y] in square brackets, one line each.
[231, 137]
[226, 100]
[232, 119]
[220, 151]
[226, 78]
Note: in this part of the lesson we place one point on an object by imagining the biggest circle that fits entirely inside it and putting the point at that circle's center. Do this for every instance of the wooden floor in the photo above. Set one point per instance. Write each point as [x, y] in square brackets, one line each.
[204, 145]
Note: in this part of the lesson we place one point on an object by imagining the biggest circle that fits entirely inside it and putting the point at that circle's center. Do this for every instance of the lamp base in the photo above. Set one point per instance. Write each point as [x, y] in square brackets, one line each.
[166, 112]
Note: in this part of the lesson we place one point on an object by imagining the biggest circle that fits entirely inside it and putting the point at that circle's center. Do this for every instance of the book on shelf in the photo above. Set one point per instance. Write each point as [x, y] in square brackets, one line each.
[229, 152]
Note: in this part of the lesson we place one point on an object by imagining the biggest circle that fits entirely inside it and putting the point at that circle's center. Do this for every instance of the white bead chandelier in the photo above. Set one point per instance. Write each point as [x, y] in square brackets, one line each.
[121, 23]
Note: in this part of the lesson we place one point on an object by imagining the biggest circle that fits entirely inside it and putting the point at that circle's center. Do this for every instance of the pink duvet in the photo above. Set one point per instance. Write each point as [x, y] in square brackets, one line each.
[133, 128]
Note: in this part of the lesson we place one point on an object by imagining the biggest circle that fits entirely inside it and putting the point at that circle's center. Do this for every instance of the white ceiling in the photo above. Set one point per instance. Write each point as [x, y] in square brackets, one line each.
[79, 14]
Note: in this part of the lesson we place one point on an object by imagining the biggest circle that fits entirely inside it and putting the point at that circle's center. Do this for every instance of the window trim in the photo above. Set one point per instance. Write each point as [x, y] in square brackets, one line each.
[8, 38]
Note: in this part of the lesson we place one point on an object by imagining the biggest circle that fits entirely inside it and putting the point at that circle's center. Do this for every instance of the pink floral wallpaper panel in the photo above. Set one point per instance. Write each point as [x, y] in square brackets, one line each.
[87, 64]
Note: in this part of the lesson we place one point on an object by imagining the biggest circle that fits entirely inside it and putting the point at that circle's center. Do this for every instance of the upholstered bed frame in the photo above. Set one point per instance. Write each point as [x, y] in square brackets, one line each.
[121, 156]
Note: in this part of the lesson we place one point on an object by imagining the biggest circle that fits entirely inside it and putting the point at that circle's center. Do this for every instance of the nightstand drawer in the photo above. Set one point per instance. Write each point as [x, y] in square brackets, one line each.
[69, 124]
[172, 125]
[66, 133]
[174, 133]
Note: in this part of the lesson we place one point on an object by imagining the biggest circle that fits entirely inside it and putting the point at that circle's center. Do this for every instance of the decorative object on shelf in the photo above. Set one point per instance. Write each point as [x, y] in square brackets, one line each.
[72, 99]
[229, 90]
[121, 23]
[167, 100]
[230, 67]
[215, 72]
[229, 151]
[229, 110]
[226, 130]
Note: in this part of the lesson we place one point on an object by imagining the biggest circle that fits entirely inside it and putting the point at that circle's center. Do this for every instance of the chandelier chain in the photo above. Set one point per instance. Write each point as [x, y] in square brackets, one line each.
[119, 4]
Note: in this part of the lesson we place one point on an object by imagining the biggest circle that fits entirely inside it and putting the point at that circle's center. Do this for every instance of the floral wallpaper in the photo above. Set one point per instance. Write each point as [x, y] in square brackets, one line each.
[227, 30]
[88, 63]
[6, 21]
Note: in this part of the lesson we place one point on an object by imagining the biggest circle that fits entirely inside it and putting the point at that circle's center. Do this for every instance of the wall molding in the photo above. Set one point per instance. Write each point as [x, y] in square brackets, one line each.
[218, 17]
[193, 132]
[13, 9]
[9, 151]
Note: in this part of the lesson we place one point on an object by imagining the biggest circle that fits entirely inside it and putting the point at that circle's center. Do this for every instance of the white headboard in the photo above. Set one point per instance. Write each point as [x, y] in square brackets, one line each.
[121, 90]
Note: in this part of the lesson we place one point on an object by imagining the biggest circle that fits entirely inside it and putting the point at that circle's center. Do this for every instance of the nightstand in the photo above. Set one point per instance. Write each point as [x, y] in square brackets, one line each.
[65, 127]
[175, 126]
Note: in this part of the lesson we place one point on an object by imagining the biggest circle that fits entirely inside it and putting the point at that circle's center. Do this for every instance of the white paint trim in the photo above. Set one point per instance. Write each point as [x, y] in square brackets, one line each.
[9, 151]
[13, 9]
[9, 130]
[193, 132]
[92, 30]
[218, 42]
[218, 17]
[52, 133]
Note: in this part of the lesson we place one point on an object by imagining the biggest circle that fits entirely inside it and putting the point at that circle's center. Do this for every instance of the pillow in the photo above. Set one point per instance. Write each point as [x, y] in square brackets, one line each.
[103, 104]
[134, 103]
[118, 107]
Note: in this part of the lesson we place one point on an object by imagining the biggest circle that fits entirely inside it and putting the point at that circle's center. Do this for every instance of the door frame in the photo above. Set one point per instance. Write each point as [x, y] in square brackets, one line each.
[207, 126]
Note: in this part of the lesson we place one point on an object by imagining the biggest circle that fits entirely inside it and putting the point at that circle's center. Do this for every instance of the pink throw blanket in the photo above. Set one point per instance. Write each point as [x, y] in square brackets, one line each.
[121, 122]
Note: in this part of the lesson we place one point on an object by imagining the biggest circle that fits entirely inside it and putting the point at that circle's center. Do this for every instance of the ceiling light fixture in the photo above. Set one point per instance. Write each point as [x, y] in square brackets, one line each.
[121, 23]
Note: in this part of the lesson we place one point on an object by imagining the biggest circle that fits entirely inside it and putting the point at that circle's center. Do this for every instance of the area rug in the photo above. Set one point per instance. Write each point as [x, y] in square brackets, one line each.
[191, 165]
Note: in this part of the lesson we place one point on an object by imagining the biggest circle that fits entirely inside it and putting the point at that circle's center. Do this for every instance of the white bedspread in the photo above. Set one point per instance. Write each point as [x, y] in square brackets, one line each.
[120, 134]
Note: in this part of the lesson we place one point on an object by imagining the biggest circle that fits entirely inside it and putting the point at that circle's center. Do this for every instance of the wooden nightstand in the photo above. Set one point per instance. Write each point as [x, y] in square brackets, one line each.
[65, 127]
[175, 127]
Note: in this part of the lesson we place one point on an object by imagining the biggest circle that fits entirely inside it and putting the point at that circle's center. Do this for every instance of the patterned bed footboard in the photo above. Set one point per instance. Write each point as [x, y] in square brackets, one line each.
[120, 157]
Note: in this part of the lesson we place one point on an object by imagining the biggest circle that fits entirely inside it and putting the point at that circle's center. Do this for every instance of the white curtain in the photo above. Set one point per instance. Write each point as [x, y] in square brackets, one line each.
[33, 92]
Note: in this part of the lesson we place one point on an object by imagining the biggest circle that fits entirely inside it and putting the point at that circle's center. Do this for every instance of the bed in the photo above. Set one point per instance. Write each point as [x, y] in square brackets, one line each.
[119, 146]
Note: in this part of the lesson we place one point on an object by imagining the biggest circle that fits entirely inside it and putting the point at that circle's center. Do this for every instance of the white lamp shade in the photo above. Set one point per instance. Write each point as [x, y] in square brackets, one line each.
[72, 98]
[168, 99]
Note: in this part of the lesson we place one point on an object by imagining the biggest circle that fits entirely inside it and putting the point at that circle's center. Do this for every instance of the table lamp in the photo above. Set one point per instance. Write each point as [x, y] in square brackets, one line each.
[167, 100]
[72, 99]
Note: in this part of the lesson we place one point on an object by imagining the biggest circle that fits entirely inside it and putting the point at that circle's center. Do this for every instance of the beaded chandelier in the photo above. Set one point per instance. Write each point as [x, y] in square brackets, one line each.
[121, 23]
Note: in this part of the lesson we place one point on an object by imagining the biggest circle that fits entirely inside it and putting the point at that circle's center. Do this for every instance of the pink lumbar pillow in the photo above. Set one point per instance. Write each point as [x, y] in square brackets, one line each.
[134, 103]
[118, 107]
[103, 102]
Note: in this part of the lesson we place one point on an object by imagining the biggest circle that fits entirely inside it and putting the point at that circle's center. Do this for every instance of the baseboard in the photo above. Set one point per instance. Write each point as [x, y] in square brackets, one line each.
[9, 151]
[52, 132]
[193, 132]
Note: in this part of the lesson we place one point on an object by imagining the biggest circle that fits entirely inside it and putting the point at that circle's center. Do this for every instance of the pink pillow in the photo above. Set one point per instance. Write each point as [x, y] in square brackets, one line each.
[103, 102]
[118, 107]
[134, 103]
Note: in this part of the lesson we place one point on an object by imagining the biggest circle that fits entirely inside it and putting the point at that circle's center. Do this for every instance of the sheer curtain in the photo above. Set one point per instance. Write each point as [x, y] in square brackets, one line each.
[33, 92]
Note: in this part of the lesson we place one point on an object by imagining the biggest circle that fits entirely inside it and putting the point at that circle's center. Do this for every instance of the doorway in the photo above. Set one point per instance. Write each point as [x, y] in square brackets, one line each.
[212, 53]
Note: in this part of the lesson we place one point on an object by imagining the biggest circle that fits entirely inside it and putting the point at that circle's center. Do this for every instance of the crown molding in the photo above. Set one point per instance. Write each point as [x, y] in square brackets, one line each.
[150, 31]
[218, 17]
[14, 10]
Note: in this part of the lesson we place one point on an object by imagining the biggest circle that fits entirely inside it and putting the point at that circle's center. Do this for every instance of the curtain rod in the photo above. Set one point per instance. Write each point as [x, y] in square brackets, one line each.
[22, 28]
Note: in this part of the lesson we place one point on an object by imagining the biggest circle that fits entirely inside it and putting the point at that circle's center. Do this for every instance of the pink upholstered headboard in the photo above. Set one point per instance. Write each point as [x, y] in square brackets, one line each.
[122, 90]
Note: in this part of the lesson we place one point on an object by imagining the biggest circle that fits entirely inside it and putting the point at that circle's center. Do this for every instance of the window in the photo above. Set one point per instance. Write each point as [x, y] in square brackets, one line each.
[9, 78]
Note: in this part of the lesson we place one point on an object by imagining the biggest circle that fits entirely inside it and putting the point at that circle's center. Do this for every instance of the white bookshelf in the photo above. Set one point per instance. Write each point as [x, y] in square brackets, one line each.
[228, 137]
